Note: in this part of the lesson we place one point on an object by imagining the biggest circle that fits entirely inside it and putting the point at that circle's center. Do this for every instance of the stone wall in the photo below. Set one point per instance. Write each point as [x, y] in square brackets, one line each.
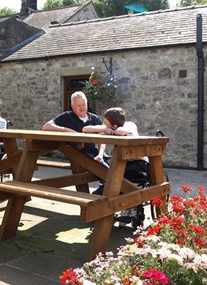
[158, 88]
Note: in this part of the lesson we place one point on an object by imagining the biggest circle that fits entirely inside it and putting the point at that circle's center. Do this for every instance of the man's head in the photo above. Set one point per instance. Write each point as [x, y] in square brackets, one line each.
[79, 104]
[114, 117]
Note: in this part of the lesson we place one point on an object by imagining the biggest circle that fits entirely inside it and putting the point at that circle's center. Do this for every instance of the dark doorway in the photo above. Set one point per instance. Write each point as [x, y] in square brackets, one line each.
[72, 84]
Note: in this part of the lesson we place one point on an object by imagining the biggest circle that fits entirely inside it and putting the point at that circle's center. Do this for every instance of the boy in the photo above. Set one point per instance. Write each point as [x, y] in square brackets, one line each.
[137, 170]
[114, 123]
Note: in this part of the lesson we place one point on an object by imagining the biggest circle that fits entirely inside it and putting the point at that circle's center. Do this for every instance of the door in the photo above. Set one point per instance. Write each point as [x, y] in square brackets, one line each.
[71, 85]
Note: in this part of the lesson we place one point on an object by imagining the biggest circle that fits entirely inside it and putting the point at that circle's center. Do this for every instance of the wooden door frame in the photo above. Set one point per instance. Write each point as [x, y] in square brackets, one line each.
[68, 91]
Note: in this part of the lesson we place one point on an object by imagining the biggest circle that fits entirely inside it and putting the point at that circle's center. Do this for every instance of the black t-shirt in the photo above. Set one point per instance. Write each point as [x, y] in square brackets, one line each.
[70, 120]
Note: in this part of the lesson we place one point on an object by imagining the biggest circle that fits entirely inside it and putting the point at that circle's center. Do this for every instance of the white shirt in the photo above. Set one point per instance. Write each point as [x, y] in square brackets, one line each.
[133, 131]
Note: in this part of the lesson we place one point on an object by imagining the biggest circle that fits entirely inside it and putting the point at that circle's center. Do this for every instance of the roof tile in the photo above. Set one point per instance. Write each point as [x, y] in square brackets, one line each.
[154, 29]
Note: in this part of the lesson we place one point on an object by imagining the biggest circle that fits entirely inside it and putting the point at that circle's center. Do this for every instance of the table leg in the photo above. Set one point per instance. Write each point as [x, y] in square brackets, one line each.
[100, 237]
[157, 177]
[27, 164]
[15, 205]
[11, 149]
[102, 228]
[12, 217]
[77, 168]
[81, 162]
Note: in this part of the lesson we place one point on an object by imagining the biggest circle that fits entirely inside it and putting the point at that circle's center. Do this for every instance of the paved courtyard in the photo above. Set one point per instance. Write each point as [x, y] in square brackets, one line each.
[51, 237]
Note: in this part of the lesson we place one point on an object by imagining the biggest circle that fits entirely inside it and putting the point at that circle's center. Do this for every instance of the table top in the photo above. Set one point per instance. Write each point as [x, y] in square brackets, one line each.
[81, 137]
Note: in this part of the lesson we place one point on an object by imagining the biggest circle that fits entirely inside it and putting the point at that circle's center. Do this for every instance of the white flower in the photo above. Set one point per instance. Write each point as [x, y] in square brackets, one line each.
[176, 257]
[192, 266]
[129, 240]
[164, 253]
[200, 261]
[136, 280]
[186, 252]
[87, 282]
[153, 238]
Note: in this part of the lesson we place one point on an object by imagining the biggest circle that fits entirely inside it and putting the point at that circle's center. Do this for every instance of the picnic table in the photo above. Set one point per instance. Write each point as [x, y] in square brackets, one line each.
[24, 147]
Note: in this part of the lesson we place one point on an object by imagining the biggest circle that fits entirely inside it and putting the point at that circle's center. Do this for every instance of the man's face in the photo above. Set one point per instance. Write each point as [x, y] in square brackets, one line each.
[80, 107]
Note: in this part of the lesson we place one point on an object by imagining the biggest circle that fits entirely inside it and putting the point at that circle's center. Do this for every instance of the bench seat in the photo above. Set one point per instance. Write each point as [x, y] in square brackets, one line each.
[50, 163]
[93, 207]
[51, 193]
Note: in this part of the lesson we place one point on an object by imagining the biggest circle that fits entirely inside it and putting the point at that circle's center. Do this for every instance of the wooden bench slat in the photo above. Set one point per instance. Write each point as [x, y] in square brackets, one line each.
[50, 163]
[124, 201]
[51, 193]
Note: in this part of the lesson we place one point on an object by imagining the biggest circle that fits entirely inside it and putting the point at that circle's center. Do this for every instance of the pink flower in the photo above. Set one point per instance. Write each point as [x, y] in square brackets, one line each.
[156, 276]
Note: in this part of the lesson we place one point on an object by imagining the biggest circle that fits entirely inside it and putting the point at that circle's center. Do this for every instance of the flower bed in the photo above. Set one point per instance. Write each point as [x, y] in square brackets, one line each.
[173, 250]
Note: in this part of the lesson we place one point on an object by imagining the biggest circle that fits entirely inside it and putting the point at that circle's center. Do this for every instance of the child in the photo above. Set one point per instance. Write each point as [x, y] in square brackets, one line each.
[137, 170]
[114, 123]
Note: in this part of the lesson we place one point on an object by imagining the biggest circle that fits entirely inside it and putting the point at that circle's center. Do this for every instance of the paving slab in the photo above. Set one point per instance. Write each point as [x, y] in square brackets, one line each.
[51, 237]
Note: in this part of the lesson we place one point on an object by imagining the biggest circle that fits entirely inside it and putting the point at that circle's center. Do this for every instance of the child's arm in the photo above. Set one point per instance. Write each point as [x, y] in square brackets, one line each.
[100, 155]
[100, 129]
[128, 129]
[121, 131]
[94, 129]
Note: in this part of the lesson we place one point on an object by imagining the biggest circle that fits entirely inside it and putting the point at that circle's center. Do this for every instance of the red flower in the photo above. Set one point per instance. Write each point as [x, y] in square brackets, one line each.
[163, 221]
[196, 229]
[139, 242]
[157, 202]
[180, 241]
[179, 208]
[176, 222]
[186, 188]
[201, 190]
[153, 231]
[175, 199]
[200, 242]
[95, 81]
[70, 275]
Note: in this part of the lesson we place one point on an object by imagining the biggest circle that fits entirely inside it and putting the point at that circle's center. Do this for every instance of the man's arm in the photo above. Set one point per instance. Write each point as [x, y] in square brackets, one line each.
[51, 126]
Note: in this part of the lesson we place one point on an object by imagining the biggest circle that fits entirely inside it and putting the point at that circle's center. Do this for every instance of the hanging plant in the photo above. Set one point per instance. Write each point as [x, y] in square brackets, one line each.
[100, 86]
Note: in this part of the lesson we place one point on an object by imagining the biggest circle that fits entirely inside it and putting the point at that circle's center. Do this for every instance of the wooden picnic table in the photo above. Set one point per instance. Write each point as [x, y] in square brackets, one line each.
[24, 147]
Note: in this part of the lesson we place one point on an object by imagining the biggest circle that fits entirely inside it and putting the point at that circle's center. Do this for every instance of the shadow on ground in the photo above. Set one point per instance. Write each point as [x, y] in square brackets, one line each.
[49, 242]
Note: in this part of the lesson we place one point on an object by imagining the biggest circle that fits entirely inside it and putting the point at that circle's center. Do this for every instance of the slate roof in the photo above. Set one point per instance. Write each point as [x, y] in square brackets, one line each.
[42, 19]
[154, 29]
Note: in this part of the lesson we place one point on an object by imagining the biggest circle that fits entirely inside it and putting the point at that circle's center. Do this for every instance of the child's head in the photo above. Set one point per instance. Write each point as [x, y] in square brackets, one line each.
[114, 117]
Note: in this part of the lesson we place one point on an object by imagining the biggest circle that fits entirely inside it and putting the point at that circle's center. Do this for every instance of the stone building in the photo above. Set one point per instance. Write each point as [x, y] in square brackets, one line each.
[14, 34]
[75, 13]
[154, 58]
[18, 30]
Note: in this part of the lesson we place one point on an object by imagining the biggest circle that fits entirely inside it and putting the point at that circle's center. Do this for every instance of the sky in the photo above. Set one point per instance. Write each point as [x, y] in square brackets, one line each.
[16, 4]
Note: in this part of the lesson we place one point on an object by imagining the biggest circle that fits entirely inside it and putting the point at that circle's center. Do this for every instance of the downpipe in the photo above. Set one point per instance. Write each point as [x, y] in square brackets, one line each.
[200, 128]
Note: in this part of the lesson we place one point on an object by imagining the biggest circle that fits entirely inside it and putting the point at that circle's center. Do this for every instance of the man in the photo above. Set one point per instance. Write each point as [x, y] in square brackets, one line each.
[75, 120]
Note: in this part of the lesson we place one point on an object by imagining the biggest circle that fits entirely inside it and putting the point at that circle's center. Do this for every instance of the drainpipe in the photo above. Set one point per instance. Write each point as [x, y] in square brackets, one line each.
[200, 93]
